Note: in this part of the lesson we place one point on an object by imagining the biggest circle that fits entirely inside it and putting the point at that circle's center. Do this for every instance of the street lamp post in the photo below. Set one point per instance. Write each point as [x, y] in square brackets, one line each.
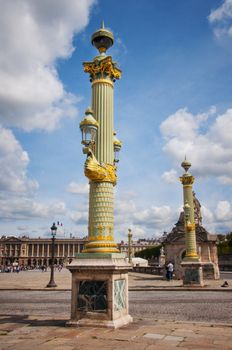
[53, 233]
[129, 246]
[100, 272]
[191, 264]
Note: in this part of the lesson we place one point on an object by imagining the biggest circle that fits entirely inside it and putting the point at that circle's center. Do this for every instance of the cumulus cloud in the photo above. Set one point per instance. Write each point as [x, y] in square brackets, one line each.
[34, 34]
[207, 145]
[218, 219]
[223, 12]
[223, 211]
[170, 176]
[156, 217]
[207, 215]
[13, 164]
[21, 208]
[17, 190]
[78, 188]
[221, 19]
[79, 217]
[151, 221]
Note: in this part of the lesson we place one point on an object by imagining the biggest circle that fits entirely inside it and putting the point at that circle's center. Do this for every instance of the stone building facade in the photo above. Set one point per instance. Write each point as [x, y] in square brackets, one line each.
[34, 252]
[174, 246]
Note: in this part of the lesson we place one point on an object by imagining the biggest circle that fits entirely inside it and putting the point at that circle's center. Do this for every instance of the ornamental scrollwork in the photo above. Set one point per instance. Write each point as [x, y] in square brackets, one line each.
[97, 172]
[101, 68]
[187, 180]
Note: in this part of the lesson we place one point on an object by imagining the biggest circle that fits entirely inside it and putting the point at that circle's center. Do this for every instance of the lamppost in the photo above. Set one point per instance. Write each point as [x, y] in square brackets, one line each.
[191, 264]
[129, 246]
[187, 181]
[101, 299]
[53, 233]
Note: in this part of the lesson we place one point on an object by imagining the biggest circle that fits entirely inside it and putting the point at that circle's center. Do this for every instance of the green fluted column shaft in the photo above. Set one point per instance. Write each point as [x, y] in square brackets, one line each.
[191, 246]
[102, 104]
[101, 195]
[190, 233]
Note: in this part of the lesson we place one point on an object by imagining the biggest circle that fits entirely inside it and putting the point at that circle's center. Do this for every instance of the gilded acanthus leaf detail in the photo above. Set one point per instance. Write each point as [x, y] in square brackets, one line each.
[97, 172]
[102, 68]
[187, 180]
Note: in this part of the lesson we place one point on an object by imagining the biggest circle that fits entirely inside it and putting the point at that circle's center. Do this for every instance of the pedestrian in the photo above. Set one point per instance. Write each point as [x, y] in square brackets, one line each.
[170, 269]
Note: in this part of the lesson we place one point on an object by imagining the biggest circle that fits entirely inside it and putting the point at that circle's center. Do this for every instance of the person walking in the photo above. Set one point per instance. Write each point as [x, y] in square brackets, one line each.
[170, 269]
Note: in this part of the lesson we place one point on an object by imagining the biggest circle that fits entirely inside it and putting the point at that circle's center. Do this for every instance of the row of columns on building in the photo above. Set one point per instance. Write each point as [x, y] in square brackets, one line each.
[59, 250]
[42, 250]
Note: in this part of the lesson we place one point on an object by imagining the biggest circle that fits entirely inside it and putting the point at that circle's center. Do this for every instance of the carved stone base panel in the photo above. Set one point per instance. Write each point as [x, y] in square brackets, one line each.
[210, 271]
[92, 296]
[99, 291]
[192, 274]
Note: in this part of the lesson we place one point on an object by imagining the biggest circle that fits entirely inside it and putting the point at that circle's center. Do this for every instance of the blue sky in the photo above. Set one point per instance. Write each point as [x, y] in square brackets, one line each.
[174, 99]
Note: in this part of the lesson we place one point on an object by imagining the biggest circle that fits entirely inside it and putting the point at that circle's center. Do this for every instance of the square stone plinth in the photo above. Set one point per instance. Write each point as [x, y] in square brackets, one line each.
[192, 274]
[99, 290]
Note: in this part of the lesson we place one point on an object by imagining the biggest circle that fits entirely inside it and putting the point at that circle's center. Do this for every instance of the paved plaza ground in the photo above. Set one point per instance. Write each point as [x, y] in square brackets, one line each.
[166, 315]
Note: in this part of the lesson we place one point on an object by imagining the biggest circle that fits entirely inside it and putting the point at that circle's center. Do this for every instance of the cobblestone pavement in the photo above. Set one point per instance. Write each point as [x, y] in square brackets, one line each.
[155, 305]
[43, 333]
[39, 280]
[163, 319]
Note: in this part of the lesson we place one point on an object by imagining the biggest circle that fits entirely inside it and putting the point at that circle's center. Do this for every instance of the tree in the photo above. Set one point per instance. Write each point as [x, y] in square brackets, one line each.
[149, 253]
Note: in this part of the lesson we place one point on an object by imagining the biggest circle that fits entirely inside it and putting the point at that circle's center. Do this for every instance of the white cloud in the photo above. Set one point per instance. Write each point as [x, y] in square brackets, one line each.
[223, 12]
[156, 217]
[207, 146]
[23, 208]
[13, 164]
[223, 211]
[170, 176]
[150, 221]
[78, 188]
[34, 34]
[207, 215]
[221, 18]
[16, 189]
[218, 218]
[79, 217]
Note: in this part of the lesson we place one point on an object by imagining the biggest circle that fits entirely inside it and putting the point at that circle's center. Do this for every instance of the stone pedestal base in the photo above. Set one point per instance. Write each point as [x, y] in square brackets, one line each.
[99, 290]
[210, 271]
[192, 274]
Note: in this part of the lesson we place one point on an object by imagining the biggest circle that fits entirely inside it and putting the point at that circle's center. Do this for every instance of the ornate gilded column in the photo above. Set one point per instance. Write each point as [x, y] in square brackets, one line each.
[100, 271]
[191, 265]
[187, 181]
[100, 166]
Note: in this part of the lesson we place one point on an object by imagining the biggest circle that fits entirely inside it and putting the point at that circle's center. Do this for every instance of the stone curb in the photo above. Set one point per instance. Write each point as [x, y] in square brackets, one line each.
[184, 289]
[177, 289]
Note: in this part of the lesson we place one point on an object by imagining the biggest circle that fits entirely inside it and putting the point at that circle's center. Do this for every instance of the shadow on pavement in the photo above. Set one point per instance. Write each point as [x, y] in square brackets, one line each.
[25, 319]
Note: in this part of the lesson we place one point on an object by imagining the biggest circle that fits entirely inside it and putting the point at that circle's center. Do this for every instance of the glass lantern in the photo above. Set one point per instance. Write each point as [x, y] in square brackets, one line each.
[117, 148]
[88, 127]
[53, 229]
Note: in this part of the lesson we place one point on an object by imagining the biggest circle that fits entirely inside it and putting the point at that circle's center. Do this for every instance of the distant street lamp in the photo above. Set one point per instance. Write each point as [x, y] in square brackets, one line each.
[129, 246]
[53, 233]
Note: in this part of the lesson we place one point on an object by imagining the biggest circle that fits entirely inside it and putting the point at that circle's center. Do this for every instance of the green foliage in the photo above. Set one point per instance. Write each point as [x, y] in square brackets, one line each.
[149, 252]
[225, 244]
